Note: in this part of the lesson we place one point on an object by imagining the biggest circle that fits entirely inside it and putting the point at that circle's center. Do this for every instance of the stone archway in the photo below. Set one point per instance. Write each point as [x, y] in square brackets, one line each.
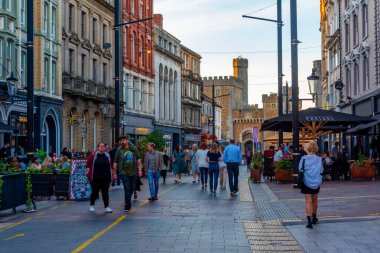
[50, 133]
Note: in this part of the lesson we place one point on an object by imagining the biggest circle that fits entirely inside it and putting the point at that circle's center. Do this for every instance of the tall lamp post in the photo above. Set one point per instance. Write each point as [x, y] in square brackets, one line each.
[279, 23]
[118, 66]
[295, 103]
[30, 76]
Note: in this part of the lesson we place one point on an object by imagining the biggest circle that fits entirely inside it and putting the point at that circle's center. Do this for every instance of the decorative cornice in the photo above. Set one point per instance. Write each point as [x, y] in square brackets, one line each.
[97, 50]
[74, 38]
[86, 44]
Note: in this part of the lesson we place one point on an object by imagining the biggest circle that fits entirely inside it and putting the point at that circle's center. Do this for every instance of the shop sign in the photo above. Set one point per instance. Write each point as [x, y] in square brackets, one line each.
[142, 131]
[74, 120]
[255, 134]
[192, 137]
[167, 137]
[80, 187]
[22, 119]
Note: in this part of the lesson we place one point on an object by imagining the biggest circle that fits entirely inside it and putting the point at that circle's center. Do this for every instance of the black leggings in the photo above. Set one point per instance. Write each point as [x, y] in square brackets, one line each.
[163, 174]
[102, 185]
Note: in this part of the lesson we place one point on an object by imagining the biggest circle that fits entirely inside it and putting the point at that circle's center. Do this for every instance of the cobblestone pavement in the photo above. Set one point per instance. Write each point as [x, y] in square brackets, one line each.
[348, 215]
[184, 219]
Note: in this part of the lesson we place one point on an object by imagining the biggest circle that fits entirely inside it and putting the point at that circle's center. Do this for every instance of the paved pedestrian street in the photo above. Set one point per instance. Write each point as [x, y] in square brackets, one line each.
[186, 219]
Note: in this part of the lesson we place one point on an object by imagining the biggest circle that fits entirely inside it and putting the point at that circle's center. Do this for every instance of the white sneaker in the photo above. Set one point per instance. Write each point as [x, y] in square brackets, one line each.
[107, 210]
[92, 209]
[120, 187]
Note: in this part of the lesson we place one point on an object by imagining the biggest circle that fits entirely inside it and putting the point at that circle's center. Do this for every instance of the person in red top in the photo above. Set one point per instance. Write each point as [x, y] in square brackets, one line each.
[99, 173]
[268, 162]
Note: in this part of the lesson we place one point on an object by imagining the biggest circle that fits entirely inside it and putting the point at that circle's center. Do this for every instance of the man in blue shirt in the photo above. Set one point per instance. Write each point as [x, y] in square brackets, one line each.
[232, 157]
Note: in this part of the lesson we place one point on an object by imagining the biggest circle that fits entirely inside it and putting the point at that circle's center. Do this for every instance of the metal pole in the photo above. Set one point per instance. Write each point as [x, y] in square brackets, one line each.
[117, 70]
[295, 104]
[279, 62]
[30, 76]
[213, 111]
[287, 98]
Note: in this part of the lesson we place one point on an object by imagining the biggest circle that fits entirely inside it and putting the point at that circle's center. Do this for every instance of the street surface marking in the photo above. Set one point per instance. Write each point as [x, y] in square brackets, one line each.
[13, 237]
[15, 224]
[374, 214]
[331, 216]
[88, 242]
[328, 198]
[54, 207]
[67, 203]
[40, 213]
[84, 245]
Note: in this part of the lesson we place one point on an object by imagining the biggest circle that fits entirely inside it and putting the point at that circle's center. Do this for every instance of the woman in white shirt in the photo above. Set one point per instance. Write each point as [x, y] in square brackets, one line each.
[202, 164]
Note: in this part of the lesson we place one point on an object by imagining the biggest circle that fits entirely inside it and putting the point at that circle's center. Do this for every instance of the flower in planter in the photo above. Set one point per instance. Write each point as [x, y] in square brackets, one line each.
[257, 161]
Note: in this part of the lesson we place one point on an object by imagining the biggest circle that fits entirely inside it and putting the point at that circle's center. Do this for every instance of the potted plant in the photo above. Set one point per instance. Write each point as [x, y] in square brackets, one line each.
[62, 183]
[42, 182]
[283, 171]
[257, 166]
[12, 187]
[363, 169]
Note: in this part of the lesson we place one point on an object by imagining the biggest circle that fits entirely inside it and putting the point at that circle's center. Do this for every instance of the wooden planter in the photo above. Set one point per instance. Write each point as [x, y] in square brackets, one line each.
[42, 185]
[282, 175]
[256, 175]
[363, 172]
[62, 184]
[13, 192]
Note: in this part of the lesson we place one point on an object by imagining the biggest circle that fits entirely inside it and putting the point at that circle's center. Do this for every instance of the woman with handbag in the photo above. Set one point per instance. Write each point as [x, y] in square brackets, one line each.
[311, 169]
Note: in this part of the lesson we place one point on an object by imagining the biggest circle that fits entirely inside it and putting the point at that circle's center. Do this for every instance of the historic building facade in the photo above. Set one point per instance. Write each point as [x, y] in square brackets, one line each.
[47, 70]
[87, 73]
[192, 88]
[138, 69]
[167, 100]
[207, 119]
[229, 93]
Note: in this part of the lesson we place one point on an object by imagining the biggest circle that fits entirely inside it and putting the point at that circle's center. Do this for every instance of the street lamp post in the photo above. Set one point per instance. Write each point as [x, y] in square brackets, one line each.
[279, 23]
[30, 76]
[118, 66]
[295, 103]
[313, 83]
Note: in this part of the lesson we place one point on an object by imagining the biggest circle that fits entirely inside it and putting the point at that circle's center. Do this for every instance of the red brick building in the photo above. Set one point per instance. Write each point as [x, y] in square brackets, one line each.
[138, 68]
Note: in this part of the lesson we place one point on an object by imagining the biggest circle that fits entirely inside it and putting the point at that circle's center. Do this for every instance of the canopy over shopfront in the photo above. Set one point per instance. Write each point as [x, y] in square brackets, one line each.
[364, 129]
[315, 122]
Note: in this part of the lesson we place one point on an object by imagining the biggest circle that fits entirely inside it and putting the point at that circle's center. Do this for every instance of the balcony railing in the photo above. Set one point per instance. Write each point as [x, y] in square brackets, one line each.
[89, 89]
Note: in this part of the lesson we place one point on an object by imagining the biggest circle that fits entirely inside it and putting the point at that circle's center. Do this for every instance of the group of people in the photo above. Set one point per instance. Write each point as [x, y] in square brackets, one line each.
[124, 162]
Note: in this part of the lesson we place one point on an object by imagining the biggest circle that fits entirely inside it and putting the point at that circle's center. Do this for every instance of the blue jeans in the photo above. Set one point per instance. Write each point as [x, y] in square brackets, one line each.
[153, 178]
[249, 164]
[129, 183]
[233, 176]
[214, 176]
[203, 171]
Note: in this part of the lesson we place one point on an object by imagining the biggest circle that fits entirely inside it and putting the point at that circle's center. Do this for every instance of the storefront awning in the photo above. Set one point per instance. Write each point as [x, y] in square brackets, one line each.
[4, 128]
[363, 128]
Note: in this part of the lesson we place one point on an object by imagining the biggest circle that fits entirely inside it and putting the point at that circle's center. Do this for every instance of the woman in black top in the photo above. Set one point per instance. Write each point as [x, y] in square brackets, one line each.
[213, 158]
[99, 173]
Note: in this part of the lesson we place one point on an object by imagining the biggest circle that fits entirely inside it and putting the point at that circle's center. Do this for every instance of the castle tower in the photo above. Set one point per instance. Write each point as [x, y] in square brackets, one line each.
[241, 72]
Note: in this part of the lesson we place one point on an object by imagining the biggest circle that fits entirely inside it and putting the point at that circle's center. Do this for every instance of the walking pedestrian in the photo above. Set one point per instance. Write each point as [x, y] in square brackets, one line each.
[222, 170]
[248, 157]
[232, 157]
[202, 163]
[213, 158]
[179, 165]
[311, 165]
[152, 164]
[128, 159]
[193, 163]
[165, 164]
[99, 173]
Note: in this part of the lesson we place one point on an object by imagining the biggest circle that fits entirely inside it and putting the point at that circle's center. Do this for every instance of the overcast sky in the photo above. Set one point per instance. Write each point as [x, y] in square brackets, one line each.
[216, 30]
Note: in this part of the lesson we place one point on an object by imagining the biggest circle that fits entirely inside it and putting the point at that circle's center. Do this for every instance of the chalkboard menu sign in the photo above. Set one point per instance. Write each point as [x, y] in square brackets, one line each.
[80, 188]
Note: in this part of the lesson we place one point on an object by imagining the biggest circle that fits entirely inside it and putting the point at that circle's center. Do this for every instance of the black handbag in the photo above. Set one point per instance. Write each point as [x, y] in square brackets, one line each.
[301, 175]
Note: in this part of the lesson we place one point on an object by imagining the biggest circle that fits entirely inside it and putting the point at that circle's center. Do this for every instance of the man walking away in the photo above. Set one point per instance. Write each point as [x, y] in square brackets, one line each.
[152, 164]
[232, 157]
[128, 159]
[248, 155]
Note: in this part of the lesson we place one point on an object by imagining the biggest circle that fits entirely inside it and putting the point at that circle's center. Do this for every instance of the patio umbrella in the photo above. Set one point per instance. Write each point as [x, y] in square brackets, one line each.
[316, 121]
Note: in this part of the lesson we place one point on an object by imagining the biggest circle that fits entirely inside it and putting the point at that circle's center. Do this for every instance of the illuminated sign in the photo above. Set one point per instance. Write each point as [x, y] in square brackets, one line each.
[142, 131]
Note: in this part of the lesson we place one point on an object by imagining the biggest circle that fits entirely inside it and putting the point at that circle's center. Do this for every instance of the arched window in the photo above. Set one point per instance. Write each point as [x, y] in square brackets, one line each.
[161, 91]
[141, 53]
[166, 80]
[169, 93]
[133, 49]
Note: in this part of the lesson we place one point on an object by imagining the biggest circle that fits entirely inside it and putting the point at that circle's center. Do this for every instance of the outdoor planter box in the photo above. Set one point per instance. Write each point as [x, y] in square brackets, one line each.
[62, 184]
[42, 185]
[13, 192]
[283, 175]
[363, 172]
[256, 175]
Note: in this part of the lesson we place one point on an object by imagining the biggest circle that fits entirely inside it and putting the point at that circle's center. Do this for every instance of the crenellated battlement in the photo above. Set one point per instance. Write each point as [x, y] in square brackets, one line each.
[221, 80]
